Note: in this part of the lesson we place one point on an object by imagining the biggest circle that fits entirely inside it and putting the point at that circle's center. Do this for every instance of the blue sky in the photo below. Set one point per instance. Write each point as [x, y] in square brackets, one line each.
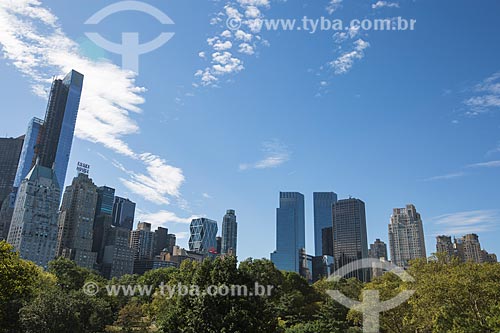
[208, 124]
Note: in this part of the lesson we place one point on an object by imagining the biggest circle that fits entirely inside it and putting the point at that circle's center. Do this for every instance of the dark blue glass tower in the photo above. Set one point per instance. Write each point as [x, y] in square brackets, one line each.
[28, 151]
[323, 203]
[105, 200]
[123, 213]
[290, 232]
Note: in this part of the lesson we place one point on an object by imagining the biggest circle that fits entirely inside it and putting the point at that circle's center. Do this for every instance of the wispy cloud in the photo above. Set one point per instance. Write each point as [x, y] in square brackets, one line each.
[462, 223]
[345, 61]
[382, 4]
[226, 48]
[333, 6]
[486, 98]
[490, 164]
[36, 45]
[162, 217]
[445, 177]
[275, 154]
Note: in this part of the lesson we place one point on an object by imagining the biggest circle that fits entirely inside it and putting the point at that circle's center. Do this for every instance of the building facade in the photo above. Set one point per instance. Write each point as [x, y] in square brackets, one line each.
[445, 245]
[33, 232]
[378, 250]
[123, 213]
[142, 240]
[406, 236]
[290, 232]
[28, 151]
[229, 233]
[349, 235]
[76, 222]
[118, 256]
[323, 203]
[10, 151]
[203, 237]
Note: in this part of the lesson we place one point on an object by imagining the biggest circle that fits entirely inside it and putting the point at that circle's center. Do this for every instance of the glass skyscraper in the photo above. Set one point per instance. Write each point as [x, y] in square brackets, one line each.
[28, 151]
[105, 201]
[229, 233]
[54, 141]
[349, 235]
[123, 213]
[203, 237]
[323, 203]
[10, 151]
[290, 232]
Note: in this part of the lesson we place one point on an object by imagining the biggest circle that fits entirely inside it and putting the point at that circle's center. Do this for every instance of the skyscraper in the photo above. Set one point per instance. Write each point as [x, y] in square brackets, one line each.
[103, 221]
[349, 235]
[323, 202]
[28, 151]
[55, 138]
[327, 241]
[142, 240]
[76, 221]
[10, 151]
[118, 256]
[161, 240]
[123, 213]
[34, 229]
[378, 250]
[445, 245]
[105, 200]
[229, 233]
[290, 232]
[203, 236]
[406, 236]
[171, 241]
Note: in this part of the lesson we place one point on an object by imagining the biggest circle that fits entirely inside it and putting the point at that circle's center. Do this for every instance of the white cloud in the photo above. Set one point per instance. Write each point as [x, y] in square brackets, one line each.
[382, 4]
[490, 164]
[36, 45]
[345, 61]
[246, 49]
[487, 96]
[333, 6]
[462, 223]
[446, 177]
[222, 46]
[206, 196]
[162, 217]
[275, 154]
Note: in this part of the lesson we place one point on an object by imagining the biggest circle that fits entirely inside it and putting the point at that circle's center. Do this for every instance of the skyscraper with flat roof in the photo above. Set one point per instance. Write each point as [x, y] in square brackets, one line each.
[229, 233]
[378, 250]
[290, 232]
[28, 151]
[123, 213]
[349, 235]
[406, 236]
[323, 202]
[10, 151]
[203, 237]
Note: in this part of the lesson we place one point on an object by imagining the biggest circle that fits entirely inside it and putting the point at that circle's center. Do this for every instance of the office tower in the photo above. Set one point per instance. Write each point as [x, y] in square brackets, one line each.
[203, 236]
[290, 232]
[123, 213]
[327, 241]
[161, 240]
[105, 200]
[468, 248]
[10, 151]
[28, 151]
[102, 221]
[142, 240]
[349, 235]
[229, 233]
[54, 141]
[6, 211]
[406, 236]
[219, 244]
[118, 256]
[171, 241]
[34, 230]
[378, 250]
[323, 202]
[445, 245]
[76, 221]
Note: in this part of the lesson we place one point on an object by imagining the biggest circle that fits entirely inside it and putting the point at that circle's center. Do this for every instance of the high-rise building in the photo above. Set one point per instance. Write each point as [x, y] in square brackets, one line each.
[323, 202]
[76, 221]
[103, 221]
[171, 241]
[142, 240]
[229, 233]
[219, 244]
[105, 200]
[10, 151]
[445, 245]
[123, 213]
[55, 138]
[468, 248]
[378, 250]
[327, 241]
[118, 256]
[349, 235]
[406, 236]
[203, 236]
[34, 230]
[290, 232]
[161, 240]
[28, 151]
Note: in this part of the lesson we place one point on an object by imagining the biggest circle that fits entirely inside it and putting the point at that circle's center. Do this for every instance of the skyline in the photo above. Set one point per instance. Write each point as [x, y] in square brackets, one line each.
[449, 179]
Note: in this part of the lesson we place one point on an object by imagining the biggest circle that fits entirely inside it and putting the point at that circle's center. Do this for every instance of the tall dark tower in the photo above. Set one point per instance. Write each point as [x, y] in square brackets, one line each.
[55, 138]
